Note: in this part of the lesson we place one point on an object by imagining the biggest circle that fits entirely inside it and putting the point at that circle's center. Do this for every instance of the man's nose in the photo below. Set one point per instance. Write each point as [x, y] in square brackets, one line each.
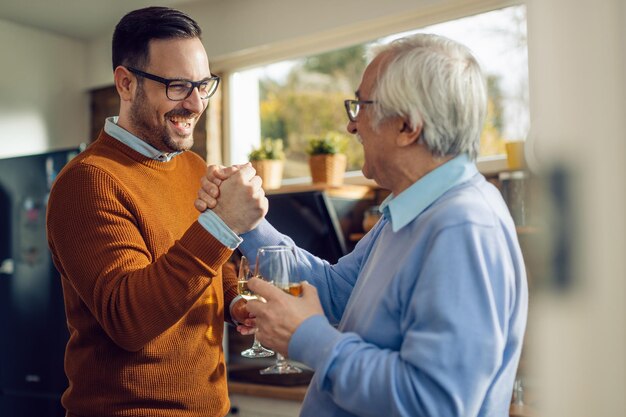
[194, 102]
[351, 127]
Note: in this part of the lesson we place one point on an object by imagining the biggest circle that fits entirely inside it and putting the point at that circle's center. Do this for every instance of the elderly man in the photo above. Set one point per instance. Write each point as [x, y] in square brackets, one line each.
[426, 316]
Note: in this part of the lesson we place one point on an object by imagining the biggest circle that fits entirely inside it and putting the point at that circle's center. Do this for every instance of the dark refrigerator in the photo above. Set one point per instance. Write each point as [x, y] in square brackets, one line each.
[33, 330]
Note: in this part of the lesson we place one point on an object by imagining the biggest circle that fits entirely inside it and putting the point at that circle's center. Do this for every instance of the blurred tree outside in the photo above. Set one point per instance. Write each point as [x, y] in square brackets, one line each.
[491, 140]
[308, 102]
[297, 114]
[345, 65]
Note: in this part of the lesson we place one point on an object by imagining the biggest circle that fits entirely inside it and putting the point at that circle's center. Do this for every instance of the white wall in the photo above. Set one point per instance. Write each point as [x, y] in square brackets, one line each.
[43, 104]
[236, 29]
[237, 25]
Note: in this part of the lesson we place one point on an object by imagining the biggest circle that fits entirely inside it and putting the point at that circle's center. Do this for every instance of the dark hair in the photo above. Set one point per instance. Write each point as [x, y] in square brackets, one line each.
[135, 31]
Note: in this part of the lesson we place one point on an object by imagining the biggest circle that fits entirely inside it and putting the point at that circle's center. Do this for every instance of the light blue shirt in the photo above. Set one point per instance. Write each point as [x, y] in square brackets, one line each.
[404, 208]
[431, 306]
[208, 219]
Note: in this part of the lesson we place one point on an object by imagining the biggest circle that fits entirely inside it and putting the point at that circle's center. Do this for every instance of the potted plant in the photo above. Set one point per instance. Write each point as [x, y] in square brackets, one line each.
[268, 160]
[327, 159]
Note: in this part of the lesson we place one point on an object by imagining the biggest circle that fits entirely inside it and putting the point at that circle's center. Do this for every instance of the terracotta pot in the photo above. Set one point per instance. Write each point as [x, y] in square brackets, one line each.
[270, 171]
[328, 169]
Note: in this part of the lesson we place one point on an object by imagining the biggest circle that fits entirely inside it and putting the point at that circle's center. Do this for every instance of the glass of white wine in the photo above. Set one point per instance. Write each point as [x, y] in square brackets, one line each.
[277, 265]
[256, 350]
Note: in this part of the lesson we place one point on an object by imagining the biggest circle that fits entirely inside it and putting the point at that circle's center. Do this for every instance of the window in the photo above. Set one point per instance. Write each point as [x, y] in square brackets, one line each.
[298, 99]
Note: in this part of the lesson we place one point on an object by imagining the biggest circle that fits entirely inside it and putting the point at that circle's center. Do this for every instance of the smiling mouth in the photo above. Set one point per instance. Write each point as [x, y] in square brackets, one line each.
[181, 122]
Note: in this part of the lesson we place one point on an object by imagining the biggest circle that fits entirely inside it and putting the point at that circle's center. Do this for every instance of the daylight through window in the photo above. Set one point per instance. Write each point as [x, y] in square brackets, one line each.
[300, 99]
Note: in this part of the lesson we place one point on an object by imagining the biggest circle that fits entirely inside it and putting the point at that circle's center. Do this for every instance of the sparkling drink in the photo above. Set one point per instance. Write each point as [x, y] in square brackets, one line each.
[294, 289]
[278, 264]
[256, 351]
[244, 291]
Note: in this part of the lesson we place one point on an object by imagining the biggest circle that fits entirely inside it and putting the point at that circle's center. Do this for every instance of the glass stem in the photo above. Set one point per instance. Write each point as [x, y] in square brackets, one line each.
[256, 344]
[280, 360]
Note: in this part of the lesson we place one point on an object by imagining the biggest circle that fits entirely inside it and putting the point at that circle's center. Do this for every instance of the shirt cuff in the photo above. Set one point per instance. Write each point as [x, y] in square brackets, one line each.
[313, 342]
[216, 226]
[230, 308]
[263, 235]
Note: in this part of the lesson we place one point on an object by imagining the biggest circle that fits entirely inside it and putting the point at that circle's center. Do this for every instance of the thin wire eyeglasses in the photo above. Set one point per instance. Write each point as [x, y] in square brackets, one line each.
[353, 107]
[180, 89]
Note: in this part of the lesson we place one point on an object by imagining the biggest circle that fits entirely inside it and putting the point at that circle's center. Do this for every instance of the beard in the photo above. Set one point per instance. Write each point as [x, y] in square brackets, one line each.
[152, 131]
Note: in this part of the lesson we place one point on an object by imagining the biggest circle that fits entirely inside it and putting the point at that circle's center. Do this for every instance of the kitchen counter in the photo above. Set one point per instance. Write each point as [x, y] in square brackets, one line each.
[522, 411]
[297, 393]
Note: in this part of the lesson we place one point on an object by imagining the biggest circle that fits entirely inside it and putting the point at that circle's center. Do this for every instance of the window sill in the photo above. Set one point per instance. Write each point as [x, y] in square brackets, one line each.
[487, 165]
[490, 165]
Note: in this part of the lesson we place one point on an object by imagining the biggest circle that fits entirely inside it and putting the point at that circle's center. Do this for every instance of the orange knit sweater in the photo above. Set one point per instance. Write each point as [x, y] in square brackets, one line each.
[143, 286]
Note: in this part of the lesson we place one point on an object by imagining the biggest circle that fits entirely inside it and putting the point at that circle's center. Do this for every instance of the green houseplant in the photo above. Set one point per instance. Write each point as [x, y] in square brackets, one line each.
[327, 159]
[268, 161]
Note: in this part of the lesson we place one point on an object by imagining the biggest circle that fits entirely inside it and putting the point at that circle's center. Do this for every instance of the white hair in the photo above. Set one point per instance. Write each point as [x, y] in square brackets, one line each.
[435, 83]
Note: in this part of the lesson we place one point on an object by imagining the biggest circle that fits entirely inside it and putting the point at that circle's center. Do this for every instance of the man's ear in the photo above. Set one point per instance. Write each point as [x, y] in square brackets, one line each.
[125, 83]
[408, 135]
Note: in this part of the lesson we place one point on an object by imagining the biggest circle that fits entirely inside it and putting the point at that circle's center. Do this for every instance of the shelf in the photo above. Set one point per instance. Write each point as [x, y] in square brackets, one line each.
[362, 192]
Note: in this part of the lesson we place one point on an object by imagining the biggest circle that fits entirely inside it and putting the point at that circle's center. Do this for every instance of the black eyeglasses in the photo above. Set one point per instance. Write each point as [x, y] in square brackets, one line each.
[353, 107]
[180, 89]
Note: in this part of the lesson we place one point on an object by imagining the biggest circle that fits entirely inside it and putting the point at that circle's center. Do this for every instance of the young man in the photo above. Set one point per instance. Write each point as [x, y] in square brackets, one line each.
[431, 305]
[143, 278]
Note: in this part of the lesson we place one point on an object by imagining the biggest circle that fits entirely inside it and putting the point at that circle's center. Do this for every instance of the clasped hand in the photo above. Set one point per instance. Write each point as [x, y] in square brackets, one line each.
[242, 205]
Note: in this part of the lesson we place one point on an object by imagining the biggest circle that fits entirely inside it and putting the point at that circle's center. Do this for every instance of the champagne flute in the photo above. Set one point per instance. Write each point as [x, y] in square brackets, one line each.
[277, 265]
[256, 350]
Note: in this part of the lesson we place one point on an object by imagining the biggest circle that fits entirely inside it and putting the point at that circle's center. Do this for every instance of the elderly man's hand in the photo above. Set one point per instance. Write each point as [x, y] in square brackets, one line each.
[279, 317]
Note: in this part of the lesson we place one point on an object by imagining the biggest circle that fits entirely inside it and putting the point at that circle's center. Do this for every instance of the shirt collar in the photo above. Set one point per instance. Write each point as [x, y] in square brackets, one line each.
[112, 129]
[410, 203]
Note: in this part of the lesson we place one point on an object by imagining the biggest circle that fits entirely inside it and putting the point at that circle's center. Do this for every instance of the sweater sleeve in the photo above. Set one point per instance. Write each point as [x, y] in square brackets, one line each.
[334, 283]
[97, 245]
[229, 279]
